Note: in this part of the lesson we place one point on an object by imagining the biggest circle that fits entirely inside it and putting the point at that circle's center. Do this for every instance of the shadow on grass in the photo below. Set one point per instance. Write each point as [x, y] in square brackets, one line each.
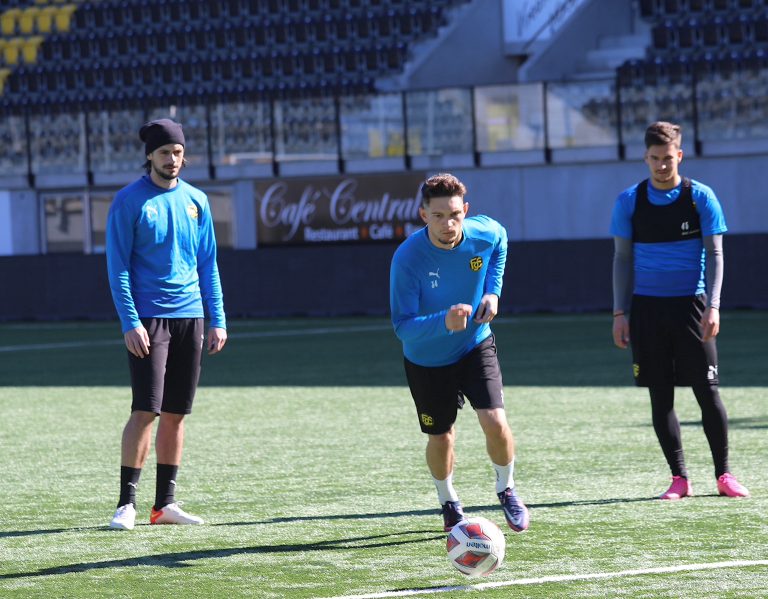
[180, 559]
[364, 516]
[740, 423]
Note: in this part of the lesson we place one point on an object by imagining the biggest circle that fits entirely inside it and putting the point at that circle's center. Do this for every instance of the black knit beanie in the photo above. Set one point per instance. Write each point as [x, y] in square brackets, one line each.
[159, 133]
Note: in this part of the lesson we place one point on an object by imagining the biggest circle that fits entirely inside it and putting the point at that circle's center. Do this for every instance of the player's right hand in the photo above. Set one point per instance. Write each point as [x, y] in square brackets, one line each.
[456, 317]
[137, 341]
[621, 331]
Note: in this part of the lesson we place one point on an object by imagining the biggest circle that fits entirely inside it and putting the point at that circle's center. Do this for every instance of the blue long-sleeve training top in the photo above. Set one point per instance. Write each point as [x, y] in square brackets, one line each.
[425, 281]
[161, 254]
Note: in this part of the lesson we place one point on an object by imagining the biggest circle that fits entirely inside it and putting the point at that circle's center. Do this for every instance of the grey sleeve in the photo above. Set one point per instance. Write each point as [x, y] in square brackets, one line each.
[623, 274]
[715, 265]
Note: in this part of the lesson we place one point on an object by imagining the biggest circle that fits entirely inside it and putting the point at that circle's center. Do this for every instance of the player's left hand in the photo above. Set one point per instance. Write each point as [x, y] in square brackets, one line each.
[216, 340]
[710, 323]
[488, 308]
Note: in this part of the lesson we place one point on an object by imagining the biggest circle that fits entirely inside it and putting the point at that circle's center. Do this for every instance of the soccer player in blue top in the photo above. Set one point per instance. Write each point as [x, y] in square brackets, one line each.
[667, 275]
[161, 260]
[445, 283]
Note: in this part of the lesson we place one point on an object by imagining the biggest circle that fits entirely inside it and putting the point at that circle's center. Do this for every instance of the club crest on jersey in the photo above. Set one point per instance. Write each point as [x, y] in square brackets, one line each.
[476, 263]
[192, 211]
[636, 370]
[150, 211]
[427, 420]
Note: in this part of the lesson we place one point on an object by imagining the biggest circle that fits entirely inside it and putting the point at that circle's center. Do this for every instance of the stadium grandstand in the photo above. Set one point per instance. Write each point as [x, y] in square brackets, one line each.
[310, 124]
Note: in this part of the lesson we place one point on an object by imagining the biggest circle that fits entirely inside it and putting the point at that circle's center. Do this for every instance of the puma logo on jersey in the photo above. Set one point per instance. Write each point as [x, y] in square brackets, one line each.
[436, 275]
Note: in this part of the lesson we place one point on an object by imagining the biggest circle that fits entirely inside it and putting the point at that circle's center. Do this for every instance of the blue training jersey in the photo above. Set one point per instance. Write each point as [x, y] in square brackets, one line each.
[425, 281]
[676, 268]
[161, 254]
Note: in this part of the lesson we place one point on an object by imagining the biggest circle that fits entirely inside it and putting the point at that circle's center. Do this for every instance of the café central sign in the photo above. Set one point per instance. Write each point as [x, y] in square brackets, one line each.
[338, 209]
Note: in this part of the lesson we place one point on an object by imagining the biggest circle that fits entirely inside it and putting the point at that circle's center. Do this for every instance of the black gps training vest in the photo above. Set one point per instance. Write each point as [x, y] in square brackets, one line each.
[677, 221]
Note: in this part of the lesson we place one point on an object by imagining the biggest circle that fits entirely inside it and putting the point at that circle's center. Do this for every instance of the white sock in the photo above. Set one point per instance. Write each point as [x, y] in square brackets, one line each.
[505, 476]
[445, 490]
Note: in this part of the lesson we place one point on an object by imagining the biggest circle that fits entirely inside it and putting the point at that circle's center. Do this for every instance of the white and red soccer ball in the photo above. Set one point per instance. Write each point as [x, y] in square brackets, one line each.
[475, 546]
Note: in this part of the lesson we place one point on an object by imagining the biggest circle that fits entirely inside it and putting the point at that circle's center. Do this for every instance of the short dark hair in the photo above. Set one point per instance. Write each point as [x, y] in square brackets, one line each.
[440, 186]
[662, 133]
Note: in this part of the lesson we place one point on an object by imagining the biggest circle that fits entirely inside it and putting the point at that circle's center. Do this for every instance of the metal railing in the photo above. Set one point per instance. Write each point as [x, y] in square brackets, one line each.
[520, 123]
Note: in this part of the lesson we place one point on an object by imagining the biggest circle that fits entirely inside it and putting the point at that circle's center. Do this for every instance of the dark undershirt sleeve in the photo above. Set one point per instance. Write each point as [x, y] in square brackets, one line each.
[715, 265]
[623, 274]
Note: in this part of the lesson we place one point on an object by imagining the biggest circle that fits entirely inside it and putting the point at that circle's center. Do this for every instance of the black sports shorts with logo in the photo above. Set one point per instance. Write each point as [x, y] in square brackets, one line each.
[166, 379]
[666, 338]
[439, 391]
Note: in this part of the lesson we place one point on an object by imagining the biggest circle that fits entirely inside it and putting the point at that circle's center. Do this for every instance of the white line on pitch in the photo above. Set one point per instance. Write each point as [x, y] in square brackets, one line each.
[560, 578]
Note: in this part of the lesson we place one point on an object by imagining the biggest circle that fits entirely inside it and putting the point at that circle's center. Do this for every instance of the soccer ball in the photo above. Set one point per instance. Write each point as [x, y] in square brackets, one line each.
[475, 546]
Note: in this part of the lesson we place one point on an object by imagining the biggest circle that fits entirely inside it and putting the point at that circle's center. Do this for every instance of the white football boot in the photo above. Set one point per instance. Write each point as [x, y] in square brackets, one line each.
[173, 514]
[124, 518]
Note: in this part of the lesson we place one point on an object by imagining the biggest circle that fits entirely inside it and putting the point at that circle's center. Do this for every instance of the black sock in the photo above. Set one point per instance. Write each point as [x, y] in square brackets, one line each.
[129, 482]
[166, 485]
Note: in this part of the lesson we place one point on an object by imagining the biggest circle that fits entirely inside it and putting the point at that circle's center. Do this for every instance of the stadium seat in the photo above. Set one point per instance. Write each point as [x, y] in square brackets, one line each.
[8, 21]
[45, 19]
[712, 35]
[28, 20]
[648, 9]
[4, 73]
[688, 36]
[760, 32]
[30, 47]
[64, 17]
[738, 31]
[697, 7]
[672, 7]
[663, 36]
[12, 50]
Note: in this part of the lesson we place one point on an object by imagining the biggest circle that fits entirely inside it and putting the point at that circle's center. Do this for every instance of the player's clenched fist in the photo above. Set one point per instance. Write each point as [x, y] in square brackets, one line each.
[456, 318]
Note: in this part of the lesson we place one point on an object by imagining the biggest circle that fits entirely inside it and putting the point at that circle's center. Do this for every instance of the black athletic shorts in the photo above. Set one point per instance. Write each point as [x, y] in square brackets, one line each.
[166, 379]
[666, 338]
[439, 391]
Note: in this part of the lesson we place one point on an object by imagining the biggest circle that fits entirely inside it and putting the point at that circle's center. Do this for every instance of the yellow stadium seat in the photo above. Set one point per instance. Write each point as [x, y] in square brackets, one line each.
[8, 21]
[30, 45]
[64, 17]
[3, 76]
[45, 19]
[27, 20]
[11, 50]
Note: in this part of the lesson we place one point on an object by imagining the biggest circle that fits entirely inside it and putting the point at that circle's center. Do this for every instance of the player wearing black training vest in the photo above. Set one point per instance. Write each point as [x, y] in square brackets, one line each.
[667, 275]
